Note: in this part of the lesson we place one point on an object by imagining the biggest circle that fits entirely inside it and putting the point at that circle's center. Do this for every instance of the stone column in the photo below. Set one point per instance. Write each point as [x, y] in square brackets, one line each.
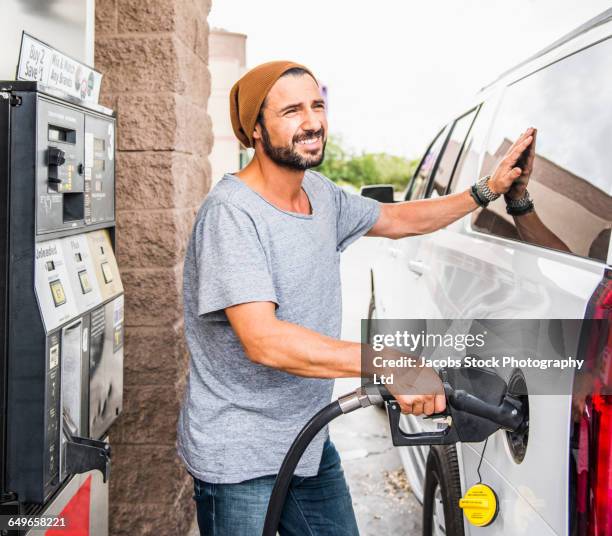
[154, 58]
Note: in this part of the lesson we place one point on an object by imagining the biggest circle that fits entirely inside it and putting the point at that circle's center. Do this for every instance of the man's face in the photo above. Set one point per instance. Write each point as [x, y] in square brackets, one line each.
[294, 132]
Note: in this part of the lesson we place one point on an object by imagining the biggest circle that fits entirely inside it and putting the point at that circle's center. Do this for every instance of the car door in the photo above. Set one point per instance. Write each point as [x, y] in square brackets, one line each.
[393, 279]
[401, 267]
[416, 299]
[398, 282]
[489, 266]
[391, 270]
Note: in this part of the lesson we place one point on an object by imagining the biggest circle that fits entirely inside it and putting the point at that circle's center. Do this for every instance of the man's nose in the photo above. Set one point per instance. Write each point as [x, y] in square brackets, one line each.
[311, 120]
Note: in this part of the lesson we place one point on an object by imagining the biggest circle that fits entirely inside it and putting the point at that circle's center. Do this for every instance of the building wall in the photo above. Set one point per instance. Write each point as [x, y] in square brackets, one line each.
[227, 52]
[154, 57]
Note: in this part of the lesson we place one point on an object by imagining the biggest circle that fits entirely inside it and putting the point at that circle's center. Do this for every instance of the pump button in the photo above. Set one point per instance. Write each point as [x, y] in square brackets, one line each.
[479, 505]
[57, 290]
[107, 273]
[84, 279]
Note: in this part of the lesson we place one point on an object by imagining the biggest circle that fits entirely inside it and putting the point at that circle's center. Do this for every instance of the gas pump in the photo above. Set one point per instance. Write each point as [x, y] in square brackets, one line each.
[61, 306]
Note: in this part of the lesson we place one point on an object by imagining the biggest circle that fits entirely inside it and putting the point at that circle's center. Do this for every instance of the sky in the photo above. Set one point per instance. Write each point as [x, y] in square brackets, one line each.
[397, 70]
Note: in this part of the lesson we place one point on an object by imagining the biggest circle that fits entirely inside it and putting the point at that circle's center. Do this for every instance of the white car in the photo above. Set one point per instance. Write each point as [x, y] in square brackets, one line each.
[557, 478]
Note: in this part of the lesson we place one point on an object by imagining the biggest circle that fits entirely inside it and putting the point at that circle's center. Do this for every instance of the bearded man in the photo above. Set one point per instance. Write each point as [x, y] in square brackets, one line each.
[262, 300]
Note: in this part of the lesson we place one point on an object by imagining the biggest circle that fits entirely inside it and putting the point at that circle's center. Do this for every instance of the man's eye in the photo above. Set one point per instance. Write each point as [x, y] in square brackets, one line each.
[290, 111]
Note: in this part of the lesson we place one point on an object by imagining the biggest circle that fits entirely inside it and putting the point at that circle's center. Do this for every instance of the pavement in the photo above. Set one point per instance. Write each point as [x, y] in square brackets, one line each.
[382, 499]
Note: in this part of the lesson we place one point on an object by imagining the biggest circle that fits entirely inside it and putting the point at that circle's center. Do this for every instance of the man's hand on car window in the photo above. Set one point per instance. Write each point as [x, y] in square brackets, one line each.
[507, 171]
[517, 190]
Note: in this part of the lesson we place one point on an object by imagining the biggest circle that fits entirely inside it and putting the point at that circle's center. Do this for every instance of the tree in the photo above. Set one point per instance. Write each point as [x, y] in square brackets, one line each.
[366, 168]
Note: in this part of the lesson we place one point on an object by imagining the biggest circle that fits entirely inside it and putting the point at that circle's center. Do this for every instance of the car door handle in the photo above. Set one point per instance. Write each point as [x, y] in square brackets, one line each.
[418, 267]
[395, 252]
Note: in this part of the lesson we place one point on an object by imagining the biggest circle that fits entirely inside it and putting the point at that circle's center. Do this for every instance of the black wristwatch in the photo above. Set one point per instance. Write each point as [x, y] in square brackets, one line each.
[518, 207]
[481, 193]
[479, 201]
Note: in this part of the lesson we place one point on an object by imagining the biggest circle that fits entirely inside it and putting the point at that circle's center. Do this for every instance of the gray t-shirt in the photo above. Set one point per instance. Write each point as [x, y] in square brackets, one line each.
[238, 418]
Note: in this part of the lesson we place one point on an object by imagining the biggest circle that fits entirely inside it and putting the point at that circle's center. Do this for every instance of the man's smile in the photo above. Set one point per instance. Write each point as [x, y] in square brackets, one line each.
[310, 143]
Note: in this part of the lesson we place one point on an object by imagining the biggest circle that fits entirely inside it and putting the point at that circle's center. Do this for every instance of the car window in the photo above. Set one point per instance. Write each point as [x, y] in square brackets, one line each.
[448, 160]
[571, 183]
[418, 185]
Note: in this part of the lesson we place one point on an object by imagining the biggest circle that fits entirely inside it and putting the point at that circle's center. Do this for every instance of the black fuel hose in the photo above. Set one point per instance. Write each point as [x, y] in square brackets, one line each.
[285, 474]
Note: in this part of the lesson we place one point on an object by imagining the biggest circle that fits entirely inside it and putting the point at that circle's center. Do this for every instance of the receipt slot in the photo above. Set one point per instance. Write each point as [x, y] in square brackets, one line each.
[61, 306]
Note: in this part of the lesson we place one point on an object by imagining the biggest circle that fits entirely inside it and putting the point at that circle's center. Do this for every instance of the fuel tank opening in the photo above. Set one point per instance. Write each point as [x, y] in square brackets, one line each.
[517, 441]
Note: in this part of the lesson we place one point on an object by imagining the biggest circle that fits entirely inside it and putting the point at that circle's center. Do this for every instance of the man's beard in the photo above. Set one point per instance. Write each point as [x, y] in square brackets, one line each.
[287, 156]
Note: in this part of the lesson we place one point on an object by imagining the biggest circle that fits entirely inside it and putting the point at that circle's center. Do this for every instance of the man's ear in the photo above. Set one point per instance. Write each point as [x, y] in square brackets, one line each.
[257, 131]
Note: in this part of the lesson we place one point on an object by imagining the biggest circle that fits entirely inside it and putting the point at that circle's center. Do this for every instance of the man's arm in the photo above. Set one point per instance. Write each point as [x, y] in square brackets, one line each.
[276, 343]
[531, 229]
[283, 345]
[410, 218]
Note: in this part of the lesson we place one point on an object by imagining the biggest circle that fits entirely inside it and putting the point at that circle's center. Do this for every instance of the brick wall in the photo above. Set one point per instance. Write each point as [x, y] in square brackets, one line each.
[154, 57]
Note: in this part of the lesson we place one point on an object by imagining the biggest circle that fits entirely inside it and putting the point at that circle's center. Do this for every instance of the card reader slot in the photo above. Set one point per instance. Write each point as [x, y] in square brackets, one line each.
[65, 135]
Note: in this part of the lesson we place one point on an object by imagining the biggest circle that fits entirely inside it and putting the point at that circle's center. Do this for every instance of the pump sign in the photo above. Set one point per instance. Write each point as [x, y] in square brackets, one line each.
[41, 63]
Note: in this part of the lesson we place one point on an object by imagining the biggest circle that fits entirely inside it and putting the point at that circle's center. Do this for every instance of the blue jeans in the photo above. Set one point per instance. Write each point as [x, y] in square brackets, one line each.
[316, 506]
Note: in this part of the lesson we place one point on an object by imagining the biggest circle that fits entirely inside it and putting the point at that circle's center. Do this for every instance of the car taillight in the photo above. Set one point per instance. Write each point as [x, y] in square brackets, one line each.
[593, 429]
[601, 515]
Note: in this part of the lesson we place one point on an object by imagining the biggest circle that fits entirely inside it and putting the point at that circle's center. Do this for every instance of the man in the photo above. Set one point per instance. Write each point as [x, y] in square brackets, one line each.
[262, 310]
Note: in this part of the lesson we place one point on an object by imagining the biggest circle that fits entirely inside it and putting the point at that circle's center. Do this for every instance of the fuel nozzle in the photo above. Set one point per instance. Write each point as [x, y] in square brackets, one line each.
[508, 414]
[364, 396]
[477, 405]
